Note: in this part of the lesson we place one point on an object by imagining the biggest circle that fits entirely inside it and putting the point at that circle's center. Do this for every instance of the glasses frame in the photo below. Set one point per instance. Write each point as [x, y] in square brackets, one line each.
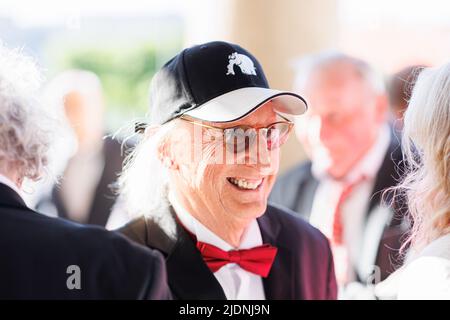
[286, 121]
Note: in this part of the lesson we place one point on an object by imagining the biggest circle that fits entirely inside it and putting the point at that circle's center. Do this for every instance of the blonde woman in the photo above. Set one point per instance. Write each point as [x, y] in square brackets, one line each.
[426, 138]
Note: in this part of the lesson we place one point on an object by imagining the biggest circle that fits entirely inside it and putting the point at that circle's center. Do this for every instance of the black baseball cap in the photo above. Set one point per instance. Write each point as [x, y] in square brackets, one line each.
[217, 82]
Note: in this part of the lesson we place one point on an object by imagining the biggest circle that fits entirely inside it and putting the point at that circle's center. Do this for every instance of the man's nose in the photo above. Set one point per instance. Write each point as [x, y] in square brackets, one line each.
[265, 155]
[324, 129]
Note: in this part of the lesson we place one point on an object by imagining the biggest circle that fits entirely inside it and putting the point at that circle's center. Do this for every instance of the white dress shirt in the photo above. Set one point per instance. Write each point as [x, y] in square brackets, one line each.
[355, 206]
[237, 283]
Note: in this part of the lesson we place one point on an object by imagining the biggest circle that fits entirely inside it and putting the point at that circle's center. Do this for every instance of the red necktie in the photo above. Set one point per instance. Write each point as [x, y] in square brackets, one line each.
[337, 237]
[257, 260]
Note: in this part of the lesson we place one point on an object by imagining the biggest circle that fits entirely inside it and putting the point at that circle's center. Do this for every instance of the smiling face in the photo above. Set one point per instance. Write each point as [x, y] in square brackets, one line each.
[223, 191]
[343, 120]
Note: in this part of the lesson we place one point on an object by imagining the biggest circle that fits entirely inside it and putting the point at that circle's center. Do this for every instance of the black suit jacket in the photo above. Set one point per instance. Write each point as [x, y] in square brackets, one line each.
[296, 190]
[36, 252]
[104, 197]
[303, 267]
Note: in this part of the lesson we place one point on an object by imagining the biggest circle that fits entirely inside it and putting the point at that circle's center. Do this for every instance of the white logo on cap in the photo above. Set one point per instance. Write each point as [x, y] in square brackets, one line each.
[243, 62]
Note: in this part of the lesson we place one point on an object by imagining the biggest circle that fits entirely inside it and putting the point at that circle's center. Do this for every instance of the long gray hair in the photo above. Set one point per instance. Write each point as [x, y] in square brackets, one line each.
[24, 125]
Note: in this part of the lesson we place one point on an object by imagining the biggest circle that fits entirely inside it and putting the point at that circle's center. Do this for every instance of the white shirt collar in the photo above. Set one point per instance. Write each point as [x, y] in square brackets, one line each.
[369, 165]
[8, 182]
[251, 237]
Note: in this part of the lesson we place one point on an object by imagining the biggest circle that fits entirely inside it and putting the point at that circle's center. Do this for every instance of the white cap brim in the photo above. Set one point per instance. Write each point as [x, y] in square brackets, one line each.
[237, 104]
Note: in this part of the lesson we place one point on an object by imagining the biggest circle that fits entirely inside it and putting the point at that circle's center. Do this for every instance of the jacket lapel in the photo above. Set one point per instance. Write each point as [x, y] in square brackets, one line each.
[188, 275]
[104, 197]
[306, 190]
[387, 175]
[280, 282]
[379, 216]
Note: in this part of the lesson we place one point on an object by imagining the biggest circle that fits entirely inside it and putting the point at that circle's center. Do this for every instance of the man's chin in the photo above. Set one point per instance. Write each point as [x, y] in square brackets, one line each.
[252, 209]
[322, 169]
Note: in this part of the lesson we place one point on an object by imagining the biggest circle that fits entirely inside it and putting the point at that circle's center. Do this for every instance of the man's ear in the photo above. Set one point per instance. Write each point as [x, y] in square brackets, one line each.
[166, 156]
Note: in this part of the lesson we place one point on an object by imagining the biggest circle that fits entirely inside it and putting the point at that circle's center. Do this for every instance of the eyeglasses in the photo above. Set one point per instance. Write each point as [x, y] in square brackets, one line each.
[240, 138]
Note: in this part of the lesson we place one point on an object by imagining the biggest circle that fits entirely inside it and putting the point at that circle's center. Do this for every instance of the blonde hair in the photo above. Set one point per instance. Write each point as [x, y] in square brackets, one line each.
[426, 147]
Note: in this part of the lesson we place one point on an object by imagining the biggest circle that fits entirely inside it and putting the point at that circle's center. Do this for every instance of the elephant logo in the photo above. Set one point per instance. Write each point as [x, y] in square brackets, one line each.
[243, 62]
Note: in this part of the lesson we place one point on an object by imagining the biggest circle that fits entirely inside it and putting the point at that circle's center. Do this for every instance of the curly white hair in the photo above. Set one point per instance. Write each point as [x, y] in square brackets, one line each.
[24, 126]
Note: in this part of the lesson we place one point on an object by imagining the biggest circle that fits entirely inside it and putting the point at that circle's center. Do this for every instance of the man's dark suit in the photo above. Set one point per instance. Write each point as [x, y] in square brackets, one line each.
[296, 190]
[103, 198]
[303, 267]
[36, 253]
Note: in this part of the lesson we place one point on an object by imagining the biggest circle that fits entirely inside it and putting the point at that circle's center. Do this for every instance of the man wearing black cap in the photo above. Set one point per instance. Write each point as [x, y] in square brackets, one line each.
[199, 180]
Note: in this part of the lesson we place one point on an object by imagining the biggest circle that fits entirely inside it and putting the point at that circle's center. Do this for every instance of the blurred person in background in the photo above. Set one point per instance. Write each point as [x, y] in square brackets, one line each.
[51, 258]
[400, 86]
[199, 180]
[426, 186]
[353, 158]
[88, 162]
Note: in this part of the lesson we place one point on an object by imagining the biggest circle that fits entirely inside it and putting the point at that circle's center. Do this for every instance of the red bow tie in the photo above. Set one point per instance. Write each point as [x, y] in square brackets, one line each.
[257, 260]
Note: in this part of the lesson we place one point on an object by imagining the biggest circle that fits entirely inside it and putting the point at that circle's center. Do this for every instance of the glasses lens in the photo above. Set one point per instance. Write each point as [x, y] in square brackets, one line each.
[277, 135]
[239, 138]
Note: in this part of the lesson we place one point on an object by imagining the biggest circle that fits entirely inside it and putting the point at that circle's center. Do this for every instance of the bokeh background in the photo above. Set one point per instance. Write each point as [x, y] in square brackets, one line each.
[125, 42]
